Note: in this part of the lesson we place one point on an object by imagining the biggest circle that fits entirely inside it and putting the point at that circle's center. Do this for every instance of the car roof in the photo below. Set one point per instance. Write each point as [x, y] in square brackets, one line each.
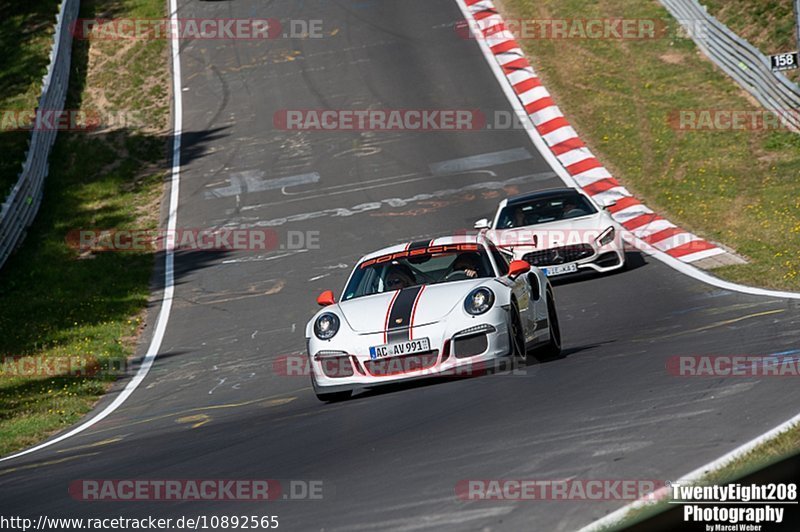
[542, 194]
[440, 241]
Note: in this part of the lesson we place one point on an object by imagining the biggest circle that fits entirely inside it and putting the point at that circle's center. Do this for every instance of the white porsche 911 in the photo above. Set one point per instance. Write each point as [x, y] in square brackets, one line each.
[559, 231]
[425, 309]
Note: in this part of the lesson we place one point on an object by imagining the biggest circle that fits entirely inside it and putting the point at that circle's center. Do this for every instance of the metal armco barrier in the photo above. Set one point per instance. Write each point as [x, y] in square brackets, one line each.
[739, 59]
[22, 203]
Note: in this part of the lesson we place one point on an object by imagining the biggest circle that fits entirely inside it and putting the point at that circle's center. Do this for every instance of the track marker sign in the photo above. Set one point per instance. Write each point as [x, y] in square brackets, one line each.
[787, 61]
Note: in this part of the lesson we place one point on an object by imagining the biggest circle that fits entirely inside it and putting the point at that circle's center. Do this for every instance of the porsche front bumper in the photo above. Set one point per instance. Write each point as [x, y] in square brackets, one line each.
[460, 349]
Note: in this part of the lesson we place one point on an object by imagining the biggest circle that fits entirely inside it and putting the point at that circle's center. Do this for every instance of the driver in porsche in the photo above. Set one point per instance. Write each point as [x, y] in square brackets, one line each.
[399, 276]
[469, 263]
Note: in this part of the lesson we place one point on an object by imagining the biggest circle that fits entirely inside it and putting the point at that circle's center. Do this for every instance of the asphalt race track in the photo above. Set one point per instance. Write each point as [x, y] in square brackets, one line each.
[214, 406]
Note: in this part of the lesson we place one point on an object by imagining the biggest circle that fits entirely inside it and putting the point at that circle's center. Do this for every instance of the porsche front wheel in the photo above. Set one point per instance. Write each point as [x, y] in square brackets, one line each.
[330, 397]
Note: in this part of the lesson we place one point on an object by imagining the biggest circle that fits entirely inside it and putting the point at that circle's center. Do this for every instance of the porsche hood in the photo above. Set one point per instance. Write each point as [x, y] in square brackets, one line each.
[413, 306]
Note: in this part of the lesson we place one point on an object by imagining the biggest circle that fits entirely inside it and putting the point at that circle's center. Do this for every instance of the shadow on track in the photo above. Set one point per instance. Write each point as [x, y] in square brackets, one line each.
[503, 367]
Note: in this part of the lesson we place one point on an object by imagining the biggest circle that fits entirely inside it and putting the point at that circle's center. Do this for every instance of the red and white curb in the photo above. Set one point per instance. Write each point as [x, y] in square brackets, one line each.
[586, 171]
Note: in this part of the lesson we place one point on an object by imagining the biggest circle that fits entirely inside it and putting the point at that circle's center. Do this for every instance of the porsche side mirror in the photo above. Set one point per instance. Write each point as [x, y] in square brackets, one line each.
[609, 204]
[517, 268]
[326, 298]
[483, 223]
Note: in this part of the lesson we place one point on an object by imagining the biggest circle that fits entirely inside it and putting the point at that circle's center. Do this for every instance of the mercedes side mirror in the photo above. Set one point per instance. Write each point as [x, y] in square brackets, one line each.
[483, 223]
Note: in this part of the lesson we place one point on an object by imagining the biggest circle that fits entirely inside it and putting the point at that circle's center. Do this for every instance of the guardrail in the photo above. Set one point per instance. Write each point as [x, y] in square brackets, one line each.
[22, 203]
[739, 59]
[797, 18]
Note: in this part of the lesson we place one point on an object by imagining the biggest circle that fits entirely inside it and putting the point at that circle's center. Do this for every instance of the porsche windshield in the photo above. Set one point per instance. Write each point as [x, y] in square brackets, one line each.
[433, 265]
[545, 210]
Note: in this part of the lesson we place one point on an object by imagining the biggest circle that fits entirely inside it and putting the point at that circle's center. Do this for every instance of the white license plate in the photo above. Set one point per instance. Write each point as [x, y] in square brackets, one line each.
[410, 347]
[561, 269]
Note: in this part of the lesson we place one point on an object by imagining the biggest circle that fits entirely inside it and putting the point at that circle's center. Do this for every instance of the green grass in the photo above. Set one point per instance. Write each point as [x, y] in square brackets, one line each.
[739, 188]
[53, 302]
[26, 31]
[783, 446]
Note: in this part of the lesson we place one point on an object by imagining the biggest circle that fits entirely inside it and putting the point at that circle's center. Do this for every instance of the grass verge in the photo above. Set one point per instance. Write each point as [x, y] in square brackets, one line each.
[57, 305]
[736, 187]
[26, 36]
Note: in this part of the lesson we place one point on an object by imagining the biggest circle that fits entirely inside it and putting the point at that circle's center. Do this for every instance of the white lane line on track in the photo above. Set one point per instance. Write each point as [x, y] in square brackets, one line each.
[394, 202]
[555, 164]
[263, 258]
[483, 160]
[349, 189]
[324, 192]
[169, 262]
[474, 164]
[253, 181]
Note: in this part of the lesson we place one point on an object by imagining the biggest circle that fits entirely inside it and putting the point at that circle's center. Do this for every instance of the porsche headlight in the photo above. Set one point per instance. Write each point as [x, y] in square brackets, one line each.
[607, 237]
[479, 301]
[326, 326]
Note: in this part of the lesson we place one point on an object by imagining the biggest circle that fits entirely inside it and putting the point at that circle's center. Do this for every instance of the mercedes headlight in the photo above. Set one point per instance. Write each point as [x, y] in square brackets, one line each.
[479, 301]
[607, 237]
[326, 326]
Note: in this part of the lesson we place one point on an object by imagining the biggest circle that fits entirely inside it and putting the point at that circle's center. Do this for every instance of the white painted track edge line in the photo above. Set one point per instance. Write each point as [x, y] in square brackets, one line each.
[544, 150]
[615, 517]
[169, 264]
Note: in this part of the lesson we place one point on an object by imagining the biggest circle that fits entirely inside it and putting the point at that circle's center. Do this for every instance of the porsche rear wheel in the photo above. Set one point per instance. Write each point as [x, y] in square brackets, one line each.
[552, 348]
[517, 336]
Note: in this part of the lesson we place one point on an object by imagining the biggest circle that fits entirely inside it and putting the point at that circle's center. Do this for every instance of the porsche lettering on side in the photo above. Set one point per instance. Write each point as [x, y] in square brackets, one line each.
[428, 308]
[559, 231]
